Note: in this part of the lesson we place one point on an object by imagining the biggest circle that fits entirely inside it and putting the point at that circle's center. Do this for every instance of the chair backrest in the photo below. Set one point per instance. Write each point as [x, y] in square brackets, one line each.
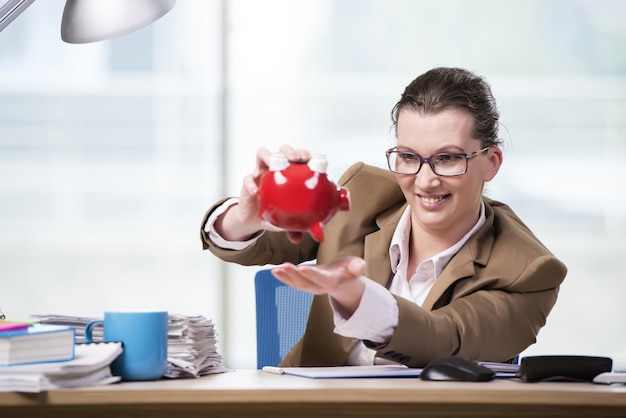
[281, 316]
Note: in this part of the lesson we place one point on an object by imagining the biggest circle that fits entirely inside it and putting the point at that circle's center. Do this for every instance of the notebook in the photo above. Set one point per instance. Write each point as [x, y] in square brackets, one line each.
[346, 371]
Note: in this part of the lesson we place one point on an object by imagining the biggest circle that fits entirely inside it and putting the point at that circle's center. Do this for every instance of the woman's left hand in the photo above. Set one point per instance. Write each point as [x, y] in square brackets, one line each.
[341, 279]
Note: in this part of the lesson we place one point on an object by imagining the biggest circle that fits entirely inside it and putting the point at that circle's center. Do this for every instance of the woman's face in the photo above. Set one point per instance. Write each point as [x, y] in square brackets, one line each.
[444, 205]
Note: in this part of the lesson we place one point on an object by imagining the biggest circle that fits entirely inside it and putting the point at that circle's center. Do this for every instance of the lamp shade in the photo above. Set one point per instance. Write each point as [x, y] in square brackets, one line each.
[87, 21]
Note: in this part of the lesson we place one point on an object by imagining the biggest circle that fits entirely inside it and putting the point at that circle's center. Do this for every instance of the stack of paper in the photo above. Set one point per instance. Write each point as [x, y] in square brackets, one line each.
[90, 366]
[78, 322]
[191, 350]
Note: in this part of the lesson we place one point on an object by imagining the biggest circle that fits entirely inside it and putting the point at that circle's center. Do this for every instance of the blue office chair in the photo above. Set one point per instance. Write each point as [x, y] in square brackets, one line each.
[281, 316]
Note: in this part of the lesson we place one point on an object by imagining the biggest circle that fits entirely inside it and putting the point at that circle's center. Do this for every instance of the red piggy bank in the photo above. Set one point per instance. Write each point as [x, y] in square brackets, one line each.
[300, 196]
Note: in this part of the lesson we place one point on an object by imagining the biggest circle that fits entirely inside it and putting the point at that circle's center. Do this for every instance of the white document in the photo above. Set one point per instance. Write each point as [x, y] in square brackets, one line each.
[610, 378]
[338, 372]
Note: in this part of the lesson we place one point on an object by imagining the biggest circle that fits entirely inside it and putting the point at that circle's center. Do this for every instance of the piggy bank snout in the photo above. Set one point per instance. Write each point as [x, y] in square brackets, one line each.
[344, 199]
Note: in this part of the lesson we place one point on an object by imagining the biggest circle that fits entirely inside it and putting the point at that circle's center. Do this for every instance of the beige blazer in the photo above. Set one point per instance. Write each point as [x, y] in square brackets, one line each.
[488, 304]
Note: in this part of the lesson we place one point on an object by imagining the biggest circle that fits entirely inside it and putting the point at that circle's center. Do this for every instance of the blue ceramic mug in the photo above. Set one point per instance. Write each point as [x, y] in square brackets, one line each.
[144, 340]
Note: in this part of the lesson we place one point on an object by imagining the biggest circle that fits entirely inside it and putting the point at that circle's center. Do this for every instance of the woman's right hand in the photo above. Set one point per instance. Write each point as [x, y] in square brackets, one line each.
[242, 221]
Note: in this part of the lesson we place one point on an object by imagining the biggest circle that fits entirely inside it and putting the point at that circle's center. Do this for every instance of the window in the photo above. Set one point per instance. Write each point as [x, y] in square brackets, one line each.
[111, 152]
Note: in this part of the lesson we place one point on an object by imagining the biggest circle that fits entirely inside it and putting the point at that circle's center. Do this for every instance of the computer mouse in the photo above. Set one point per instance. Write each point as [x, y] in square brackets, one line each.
[456, 369]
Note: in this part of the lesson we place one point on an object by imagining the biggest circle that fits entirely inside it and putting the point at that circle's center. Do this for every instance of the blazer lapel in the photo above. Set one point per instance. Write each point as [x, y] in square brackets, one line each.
[476, 251]
[376, 246]
[461, 265]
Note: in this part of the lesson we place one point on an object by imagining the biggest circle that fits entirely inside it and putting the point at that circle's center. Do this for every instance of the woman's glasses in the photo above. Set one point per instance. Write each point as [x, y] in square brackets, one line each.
[443, 164]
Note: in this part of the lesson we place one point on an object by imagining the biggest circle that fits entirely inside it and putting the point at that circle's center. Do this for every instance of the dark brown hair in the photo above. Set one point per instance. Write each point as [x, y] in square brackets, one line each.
[444, 88]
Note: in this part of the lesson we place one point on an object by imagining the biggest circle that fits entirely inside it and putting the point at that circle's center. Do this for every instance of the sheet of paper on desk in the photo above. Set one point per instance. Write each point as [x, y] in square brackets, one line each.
[502, 370]
[346, 371]
[39, 382]
[500, 367]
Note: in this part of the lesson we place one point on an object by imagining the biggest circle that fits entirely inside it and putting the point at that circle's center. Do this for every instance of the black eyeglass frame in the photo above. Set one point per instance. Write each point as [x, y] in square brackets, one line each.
[428, 160]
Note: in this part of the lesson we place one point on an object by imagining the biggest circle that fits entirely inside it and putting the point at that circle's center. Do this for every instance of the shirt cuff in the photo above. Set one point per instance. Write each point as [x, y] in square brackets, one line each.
[375, 319]
[216, 238]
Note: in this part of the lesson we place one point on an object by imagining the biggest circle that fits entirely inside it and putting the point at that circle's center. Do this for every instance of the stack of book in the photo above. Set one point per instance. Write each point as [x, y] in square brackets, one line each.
[23, 343]
[192, 339]
[40, 357]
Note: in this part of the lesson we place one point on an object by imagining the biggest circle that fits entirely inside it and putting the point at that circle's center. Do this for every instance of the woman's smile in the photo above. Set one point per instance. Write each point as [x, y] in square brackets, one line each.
[431, 202]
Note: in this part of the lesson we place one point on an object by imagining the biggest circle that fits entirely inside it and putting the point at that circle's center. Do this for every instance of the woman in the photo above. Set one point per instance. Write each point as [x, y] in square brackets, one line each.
[423, 266]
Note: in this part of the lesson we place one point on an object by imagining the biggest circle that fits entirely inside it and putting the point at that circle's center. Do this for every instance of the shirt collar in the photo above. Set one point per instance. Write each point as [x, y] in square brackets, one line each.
[400, 242]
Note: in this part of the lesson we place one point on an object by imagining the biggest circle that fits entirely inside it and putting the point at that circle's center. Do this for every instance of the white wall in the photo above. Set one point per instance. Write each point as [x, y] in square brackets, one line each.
[111, 152]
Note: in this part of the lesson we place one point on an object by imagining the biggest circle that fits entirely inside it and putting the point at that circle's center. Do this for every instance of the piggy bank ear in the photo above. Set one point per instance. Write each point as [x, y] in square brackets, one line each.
[317, 231]
[278, 162]
[318, 164]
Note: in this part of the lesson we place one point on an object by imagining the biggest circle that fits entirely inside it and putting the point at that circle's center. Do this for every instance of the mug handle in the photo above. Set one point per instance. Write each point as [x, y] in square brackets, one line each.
[89, 328]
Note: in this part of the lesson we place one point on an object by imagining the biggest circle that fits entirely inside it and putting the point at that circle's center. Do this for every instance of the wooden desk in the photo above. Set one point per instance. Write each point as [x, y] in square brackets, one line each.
[251, 393]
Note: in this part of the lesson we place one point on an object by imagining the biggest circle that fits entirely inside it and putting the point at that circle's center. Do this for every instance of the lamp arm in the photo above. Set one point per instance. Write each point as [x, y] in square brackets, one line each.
[12, 9]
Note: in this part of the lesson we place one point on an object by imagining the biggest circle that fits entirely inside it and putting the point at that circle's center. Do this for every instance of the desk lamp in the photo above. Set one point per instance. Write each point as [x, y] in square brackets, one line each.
[87, 21]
